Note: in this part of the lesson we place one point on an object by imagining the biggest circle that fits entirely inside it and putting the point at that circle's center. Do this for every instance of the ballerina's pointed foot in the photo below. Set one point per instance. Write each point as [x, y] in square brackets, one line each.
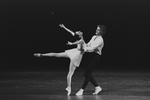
[38, 54]
[97, 90]
[68, 89]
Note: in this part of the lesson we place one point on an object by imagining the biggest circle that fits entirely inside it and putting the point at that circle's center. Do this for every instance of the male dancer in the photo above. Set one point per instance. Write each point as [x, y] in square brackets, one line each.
[94, 46]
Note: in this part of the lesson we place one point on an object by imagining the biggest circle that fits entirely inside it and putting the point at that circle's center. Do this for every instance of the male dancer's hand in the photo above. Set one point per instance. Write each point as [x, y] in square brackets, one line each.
[85, 49]
[69, 43]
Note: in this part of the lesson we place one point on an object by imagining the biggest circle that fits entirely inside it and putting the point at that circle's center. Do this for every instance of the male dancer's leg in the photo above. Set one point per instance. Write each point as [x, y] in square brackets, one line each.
[90, 68]
[94, 61]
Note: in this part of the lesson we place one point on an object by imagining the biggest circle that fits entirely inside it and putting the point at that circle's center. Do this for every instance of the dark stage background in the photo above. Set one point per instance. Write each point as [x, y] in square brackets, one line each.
[32, 26]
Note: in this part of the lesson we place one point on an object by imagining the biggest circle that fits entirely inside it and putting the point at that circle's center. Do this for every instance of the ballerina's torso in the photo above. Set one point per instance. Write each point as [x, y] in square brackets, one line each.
[81, 46]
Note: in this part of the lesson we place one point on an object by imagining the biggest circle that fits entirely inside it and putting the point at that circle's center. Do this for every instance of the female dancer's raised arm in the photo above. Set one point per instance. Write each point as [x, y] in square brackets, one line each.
[63, 26]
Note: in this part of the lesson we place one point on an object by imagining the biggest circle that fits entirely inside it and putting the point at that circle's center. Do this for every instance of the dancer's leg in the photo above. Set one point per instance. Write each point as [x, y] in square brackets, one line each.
[62, 54]
[72, 68]
[90, 68]
[88, 78]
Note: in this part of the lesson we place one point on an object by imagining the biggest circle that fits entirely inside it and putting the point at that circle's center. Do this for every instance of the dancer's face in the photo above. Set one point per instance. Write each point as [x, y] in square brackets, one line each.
[98, 31]
[79, 33]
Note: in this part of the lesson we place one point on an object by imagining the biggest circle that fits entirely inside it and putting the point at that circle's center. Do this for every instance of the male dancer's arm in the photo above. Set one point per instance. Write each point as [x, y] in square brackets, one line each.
[88, 44]
[61, 25]
[96, 43]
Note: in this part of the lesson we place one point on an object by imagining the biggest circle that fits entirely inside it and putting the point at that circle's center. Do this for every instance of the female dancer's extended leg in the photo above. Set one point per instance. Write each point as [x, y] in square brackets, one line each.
[72, 68]
[62, 54]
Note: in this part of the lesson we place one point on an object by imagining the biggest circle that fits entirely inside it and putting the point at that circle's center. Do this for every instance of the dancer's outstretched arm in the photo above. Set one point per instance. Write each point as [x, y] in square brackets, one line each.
[74, 43]
[61, 25]
[77, 42]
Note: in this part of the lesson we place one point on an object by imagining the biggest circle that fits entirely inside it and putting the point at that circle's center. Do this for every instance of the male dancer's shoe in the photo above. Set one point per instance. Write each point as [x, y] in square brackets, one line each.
[97, 90]
[68, 89]
[80, 92]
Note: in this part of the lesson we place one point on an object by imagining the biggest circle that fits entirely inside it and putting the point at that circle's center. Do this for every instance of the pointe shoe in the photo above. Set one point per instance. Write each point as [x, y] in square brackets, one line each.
[37, 54]
[68, 89]
[80, 92]
[97, 90]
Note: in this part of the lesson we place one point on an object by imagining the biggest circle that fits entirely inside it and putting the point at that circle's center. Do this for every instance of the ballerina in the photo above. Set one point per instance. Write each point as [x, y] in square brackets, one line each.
[74, 54]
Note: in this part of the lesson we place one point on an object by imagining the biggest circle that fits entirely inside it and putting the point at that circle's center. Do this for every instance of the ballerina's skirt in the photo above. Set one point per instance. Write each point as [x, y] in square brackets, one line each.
[75, 56]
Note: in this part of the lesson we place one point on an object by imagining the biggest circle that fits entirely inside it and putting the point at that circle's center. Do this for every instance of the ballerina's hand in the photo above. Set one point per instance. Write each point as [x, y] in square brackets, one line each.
[61, 25]
[69, 43]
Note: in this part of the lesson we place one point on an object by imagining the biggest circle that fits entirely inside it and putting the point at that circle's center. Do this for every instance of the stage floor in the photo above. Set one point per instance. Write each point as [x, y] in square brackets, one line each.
[51, 86]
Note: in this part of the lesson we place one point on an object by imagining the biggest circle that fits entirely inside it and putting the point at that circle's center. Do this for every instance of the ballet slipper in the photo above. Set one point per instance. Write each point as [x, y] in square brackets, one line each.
[97, 90]
[80, 92]
[38, 54]
[68, 89]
